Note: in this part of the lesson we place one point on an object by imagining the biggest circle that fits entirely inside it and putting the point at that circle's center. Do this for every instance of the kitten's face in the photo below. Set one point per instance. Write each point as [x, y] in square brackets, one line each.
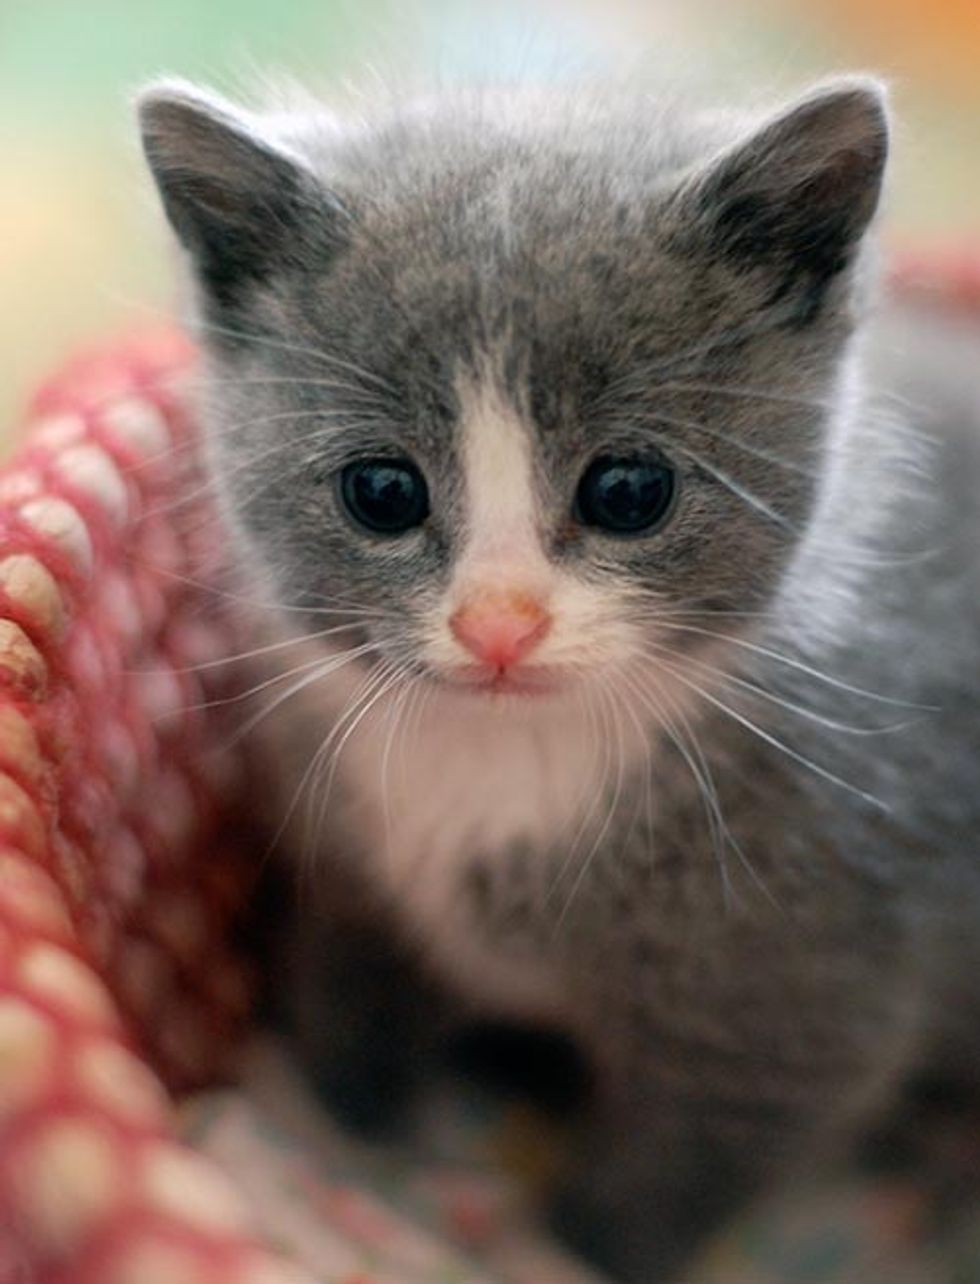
[524, 412]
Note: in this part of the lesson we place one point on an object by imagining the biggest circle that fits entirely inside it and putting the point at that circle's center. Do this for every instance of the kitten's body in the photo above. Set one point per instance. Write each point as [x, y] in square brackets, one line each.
[743, 865]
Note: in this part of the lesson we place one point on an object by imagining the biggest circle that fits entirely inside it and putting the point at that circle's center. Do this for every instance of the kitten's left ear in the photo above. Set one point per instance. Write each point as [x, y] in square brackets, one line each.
[240, 203]
[796, 197]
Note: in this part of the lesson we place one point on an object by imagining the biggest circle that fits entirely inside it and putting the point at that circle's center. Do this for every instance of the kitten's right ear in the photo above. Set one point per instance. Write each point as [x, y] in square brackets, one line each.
[794, 199]
[240, 203]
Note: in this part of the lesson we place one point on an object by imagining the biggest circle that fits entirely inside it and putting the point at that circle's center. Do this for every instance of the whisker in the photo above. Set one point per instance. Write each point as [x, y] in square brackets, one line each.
[773, 741]
[717, 829]
[597, 738]
[239, 656]
[733, 842]
[205, 383]
[604, 828]
[327, 755]
[241, 696]
[749, 393]
[695, 425]
[793, 663]
[312, 671]
[651, 374]
[391, 676]
[740, 492]
[192, 447]
[310, 771]
[395, 712]
[317, 354]
[188, 496]
[790, 706]
[228, 595]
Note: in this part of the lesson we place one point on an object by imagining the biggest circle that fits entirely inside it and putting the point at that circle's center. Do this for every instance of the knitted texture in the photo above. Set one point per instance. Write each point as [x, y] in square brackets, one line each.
[946, 277]
[117, 885]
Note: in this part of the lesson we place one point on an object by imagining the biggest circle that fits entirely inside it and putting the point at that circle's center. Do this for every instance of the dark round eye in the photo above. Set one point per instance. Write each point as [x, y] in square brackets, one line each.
[388, 496]
[625, 495]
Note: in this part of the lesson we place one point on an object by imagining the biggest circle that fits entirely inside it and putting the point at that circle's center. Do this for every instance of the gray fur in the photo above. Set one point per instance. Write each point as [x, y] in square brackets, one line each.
[754, 973]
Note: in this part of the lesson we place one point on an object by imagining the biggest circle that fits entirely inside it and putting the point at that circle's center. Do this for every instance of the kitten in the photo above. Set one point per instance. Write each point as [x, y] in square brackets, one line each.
[642, 638]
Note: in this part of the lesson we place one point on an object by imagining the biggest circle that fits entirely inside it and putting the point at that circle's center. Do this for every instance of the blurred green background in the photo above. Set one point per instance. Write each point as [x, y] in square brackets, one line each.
[81, 247]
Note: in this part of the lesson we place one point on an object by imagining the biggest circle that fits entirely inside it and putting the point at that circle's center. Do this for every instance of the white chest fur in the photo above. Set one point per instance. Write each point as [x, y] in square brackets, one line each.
[465, 781]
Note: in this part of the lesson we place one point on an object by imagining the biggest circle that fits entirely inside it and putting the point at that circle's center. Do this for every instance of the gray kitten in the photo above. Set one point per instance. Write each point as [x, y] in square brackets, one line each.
[641, 637]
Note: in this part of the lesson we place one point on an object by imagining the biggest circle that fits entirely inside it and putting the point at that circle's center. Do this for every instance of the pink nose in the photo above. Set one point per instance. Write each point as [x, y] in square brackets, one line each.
[500, 626]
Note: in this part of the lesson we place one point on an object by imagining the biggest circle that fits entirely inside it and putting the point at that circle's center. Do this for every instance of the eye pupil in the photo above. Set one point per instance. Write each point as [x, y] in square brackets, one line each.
[387, 496]
[625, 495]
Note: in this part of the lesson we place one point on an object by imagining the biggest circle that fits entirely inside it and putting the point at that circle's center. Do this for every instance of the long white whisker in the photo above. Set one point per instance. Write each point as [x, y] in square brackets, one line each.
[831, 724]
[385, 676]
[392, 676]
[747, 392]
[818, 770]
[240, 696]
[651, 375]
[696, 425]
[717, 829]
[239, 656]
[342, 608]
[791, 662]
[727, 834]
[327, 754]
[396, 711]
[586, 865]
[317, 354]
[313, 671]
[599, 740]
[311, 769]
[192, 446]
[750, 393]
[740, 492]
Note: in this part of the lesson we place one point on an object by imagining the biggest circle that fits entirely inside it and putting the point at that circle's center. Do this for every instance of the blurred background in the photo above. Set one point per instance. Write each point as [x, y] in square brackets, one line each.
[81, 244]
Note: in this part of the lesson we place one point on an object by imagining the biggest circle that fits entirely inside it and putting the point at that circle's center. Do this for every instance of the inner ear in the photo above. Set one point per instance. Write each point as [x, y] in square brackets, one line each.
[240, 203]
[797, 196]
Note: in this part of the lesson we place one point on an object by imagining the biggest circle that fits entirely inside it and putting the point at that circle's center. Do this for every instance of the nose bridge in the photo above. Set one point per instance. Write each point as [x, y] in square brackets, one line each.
[497, 455]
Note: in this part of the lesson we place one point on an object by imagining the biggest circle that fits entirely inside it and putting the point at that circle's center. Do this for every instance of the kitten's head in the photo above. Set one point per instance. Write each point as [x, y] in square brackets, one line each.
[529, 388]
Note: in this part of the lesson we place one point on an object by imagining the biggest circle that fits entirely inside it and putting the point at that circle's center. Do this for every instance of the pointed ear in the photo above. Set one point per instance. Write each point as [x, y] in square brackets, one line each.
[796, 197]
[240, 203]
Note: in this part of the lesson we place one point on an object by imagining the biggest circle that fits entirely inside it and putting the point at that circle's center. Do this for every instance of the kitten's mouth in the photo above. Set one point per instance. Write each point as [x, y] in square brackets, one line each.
[478, 680]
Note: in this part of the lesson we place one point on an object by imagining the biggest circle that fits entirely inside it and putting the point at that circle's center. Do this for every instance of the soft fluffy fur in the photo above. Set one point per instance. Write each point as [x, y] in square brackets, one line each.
[737, 851]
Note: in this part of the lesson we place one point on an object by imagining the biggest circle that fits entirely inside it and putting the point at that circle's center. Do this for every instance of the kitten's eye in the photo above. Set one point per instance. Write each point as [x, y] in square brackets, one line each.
[388, 496]
[625, 495]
